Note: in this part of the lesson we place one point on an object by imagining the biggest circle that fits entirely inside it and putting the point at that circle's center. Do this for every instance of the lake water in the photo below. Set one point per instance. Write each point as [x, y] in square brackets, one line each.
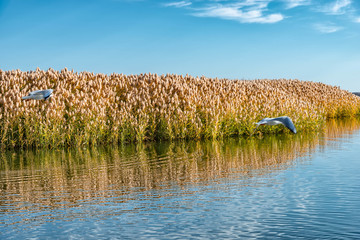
[267, 187]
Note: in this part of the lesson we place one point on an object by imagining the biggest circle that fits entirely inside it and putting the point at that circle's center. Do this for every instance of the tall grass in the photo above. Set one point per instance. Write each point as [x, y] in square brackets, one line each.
[88, 108]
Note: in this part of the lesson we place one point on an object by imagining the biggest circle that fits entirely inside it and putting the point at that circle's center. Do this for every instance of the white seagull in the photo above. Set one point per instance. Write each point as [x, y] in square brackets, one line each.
[39, 94]
[284, 120]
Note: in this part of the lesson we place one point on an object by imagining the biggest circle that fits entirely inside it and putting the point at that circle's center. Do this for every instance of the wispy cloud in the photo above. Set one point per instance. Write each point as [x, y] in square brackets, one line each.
[357, 20]
[296, 3]
[327, 28]
[249, 11]
[266, 11]
[128, 1]
[178, 4]
[337, 7]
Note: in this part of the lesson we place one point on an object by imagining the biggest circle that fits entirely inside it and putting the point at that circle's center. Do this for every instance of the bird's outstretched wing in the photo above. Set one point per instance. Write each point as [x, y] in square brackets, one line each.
[39, 94]
[286, 121]
[47, 93]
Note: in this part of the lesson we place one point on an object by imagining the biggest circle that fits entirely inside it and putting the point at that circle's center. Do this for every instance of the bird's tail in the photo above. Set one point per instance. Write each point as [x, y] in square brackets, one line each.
[255, 129]
[26, 97]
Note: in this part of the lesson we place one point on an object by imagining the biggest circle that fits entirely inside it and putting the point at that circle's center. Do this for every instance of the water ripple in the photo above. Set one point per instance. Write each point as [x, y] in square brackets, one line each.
[276, 187]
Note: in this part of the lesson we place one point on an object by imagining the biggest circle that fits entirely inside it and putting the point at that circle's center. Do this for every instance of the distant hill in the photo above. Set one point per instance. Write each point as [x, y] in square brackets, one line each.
[357, 93]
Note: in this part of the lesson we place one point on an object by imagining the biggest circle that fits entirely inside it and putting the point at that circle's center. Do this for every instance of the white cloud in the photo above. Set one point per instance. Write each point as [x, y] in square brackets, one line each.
[264, 11]
[327, 28]
[337, 7]
[178, 4]
[357, 20]
[249, 11]
[296, 3]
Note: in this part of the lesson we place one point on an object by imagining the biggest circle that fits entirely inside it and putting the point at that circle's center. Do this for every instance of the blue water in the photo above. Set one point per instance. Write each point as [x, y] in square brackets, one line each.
[309, 189]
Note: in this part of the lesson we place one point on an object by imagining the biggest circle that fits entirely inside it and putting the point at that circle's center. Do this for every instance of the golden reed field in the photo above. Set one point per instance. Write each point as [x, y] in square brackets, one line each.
[88, 108]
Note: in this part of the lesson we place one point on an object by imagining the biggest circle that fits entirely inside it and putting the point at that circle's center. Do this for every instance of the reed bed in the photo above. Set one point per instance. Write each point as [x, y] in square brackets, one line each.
[88, 108]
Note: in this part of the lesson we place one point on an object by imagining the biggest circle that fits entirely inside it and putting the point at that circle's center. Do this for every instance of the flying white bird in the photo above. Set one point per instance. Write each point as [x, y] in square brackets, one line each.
[284, 120]
[39, 94]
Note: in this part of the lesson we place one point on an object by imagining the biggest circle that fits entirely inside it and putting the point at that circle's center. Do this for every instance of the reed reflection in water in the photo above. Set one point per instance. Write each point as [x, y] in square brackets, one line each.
[44, 181]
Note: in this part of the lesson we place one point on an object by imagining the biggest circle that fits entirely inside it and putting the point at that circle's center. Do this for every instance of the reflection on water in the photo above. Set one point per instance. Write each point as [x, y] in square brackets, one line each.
[86, 173]
[43, 181]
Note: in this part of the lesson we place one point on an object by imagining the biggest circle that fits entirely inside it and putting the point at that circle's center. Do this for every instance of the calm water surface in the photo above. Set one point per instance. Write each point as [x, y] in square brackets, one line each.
[284, 186]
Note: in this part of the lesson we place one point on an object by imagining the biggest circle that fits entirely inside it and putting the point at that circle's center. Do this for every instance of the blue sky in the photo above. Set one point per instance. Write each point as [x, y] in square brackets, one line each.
[248, 39]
